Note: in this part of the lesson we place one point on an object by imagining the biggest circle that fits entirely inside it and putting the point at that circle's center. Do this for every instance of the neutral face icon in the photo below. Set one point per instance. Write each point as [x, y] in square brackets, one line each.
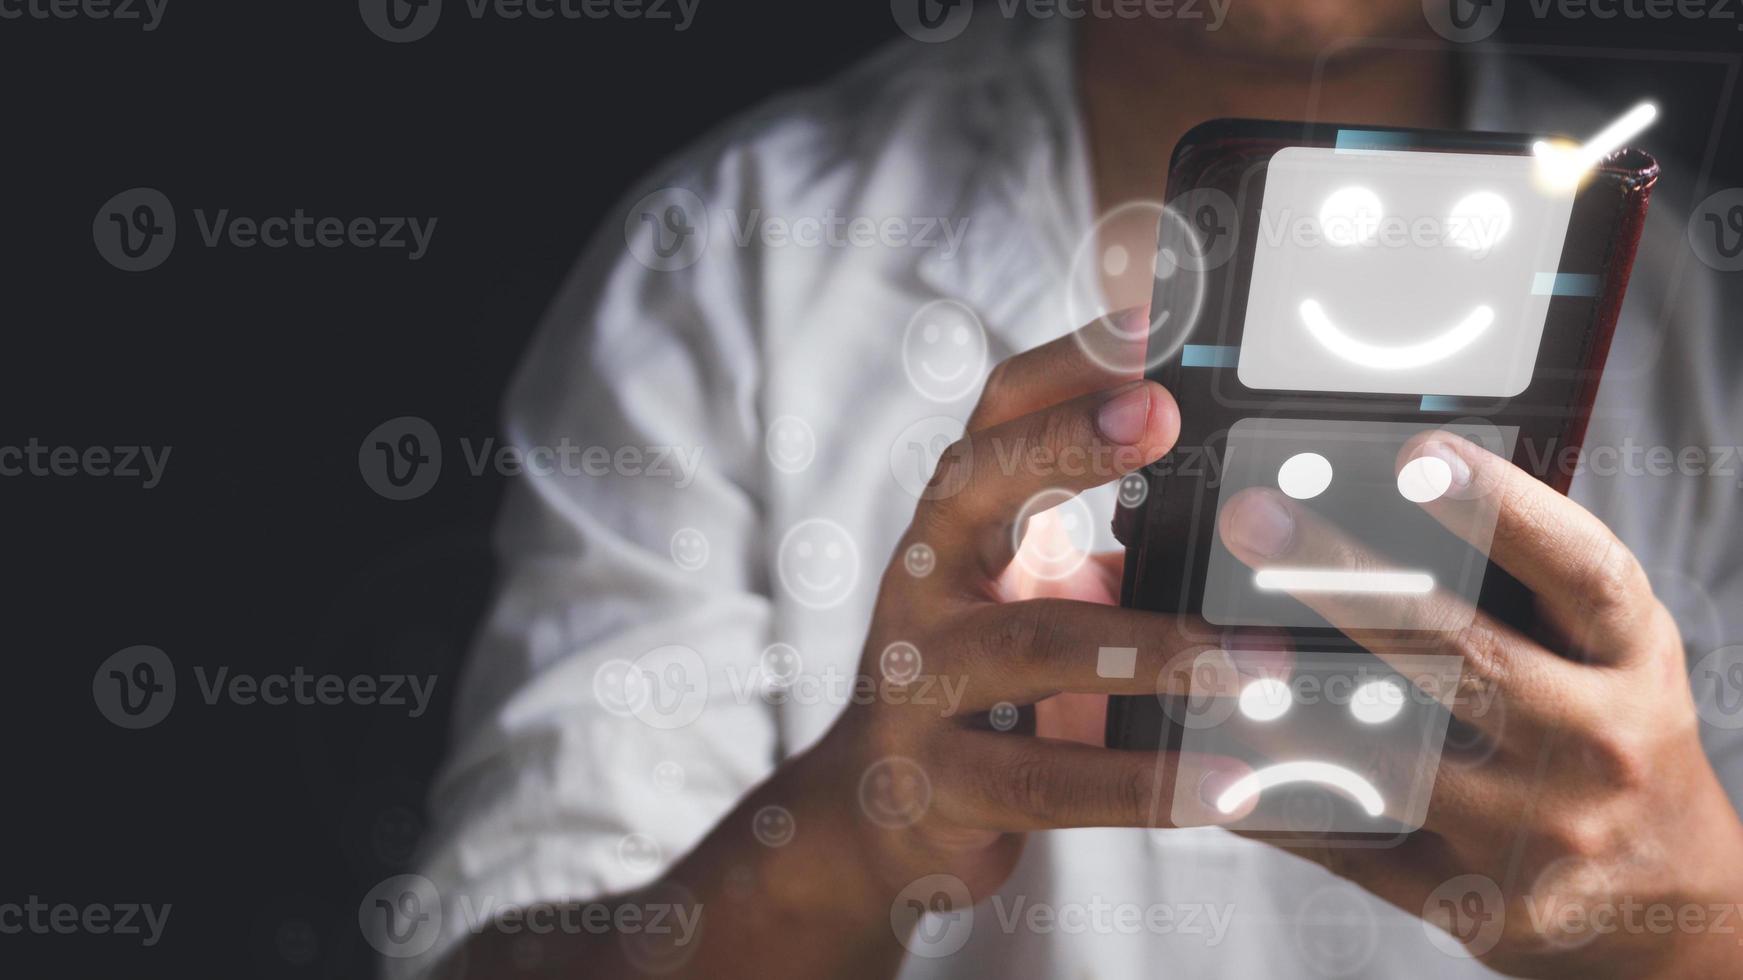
[944, 351]
[818, 563]
[1370, 483]
[1402, 272]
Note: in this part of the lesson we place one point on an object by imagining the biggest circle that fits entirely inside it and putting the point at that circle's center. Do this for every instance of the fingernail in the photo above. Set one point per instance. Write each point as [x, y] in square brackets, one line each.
[1261, 525]
[1124, 418]
[1461, 470]
[1213, 784]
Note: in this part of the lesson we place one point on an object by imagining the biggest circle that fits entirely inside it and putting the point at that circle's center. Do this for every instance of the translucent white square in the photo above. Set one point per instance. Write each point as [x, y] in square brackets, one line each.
[1116, 662]
[1402, 272]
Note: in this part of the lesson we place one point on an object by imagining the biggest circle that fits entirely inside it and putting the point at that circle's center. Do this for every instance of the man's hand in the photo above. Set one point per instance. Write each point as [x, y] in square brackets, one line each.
[1592, 808]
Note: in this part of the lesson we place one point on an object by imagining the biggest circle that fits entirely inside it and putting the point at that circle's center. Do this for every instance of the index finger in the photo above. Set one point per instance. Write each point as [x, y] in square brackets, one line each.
[1589, 585]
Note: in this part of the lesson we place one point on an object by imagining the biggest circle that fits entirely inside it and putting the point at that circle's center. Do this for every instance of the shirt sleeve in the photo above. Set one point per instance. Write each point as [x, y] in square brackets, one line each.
[606, 719]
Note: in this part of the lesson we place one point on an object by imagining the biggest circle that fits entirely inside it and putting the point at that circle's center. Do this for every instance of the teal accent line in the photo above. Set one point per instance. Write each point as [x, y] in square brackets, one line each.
[1209, 355]
[1439, 403]
[1564, 284]
[1371, 139]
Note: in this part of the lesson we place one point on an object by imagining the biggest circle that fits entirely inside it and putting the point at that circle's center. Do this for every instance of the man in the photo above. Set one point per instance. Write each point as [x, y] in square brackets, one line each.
[748, 593]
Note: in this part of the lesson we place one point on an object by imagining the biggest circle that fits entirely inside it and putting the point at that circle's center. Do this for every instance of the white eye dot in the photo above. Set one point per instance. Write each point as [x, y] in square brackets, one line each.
[1350, 216]
[1304, 475]
[1424, 478]
[1167, 263]
[1377, 702]
[1115, 260]
[1478, 221]
[1266, 699]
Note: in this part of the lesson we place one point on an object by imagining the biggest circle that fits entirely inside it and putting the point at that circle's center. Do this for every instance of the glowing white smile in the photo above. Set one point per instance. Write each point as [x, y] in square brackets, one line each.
[934, 375]
[1301, 580]
[1337, 777]
[1401, 357]
[828, 584]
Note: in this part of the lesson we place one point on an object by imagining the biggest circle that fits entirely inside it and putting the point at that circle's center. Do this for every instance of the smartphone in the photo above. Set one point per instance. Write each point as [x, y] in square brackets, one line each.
[1323, 294]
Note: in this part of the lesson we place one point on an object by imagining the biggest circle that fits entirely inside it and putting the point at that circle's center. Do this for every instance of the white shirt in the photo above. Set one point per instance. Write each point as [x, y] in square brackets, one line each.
[544, 783]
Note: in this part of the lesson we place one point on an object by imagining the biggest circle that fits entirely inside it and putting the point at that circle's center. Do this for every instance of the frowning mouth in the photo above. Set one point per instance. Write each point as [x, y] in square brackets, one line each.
[1323, 773]
[1400, 357]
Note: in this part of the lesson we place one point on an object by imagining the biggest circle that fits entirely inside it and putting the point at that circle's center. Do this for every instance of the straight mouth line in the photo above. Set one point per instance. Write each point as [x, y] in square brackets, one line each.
[1337, 580]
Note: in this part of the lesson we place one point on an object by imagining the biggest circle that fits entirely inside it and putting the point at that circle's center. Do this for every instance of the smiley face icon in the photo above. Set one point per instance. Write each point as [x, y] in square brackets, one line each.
[900, 663]
[780, 665]
[1397, 271]
[639, 852]
[668, 776]
[894, 792]
[791, 444]
[944, 351]
[1053, 535]
[919, 560]
[690, 549]
[773, 826]
[1133, 490]
[620, 687]
[818, 563]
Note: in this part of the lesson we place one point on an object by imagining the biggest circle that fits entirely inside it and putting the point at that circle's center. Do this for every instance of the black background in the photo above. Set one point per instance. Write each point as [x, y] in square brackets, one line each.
[263, 549]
